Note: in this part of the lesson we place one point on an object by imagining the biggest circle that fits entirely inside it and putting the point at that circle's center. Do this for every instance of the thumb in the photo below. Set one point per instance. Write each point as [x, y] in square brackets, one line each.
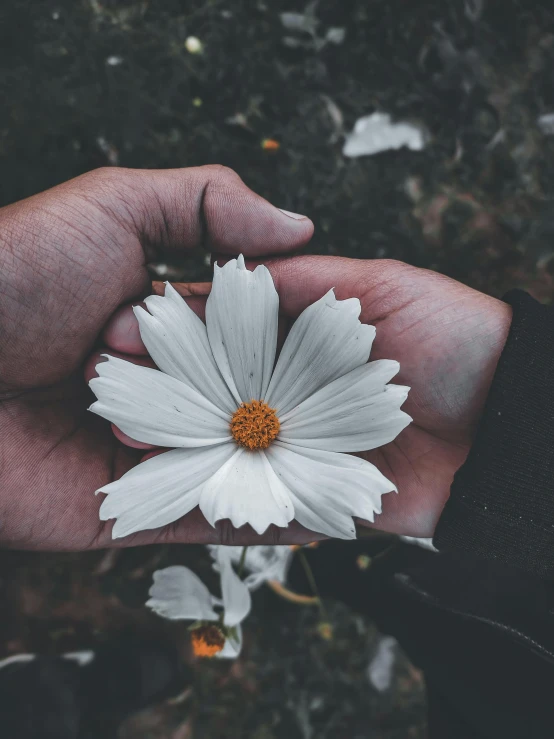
[208, 207]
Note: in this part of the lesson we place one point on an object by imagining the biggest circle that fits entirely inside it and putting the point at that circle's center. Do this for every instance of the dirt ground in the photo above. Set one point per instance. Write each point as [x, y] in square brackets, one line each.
[88, 83]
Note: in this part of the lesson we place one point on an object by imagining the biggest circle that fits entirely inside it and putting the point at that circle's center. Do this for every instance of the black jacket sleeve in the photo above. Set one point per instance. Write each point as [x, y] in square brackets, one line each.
[501, 504]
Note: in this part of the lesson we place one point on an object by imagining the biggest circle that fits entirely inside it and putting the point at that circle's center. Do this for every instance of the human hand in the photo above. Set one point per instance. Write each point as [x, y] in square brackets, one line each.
[69, 257]
[447, 338]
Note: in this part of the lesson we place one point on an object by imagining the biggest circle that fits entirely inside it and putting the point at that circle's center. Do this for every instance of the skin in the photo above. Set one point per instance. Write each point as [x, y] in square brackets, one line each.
[448, 339]
[72, 263]
[69, 258]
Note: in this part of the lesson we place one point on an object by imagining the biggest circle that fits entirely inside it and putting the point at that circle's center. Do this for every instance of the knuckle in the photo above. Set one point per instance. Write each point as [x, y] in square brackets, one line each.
[395, 264]
[220, 172]
[100, 174]
[106, 176]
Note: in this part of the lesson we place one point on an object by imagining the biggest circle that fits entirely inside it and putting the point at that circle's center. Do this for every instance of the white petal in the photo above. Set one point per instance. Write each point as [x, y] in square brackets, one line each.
[236, 596]
[155, 408]
[325, 342]
[162, 489]
[177, 341]
[267, 562]
[327, 489]
[262, 562]
[233, 645]
[355, 413]
[360, 383]
[178, 593]
[246, 490]
[241, 317]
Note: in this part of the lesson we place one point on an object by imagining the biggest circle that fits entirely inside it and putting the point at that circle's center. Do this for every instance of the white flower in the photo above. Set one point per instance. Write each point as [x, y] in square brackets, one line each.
[179, 594]
[255, 443]
[265, 562]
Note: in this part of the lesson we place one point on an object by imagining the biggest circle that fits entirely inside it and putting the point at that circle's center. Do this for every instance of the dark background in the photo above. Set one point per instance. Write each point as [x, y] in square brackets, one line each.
[475, 204]
[88, 83]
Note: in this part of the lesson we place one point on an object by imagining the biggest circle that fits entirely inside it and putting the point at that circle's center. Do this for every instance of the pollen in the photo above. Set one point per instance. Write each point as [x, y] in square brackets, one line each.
[255, 425]
[207, 640]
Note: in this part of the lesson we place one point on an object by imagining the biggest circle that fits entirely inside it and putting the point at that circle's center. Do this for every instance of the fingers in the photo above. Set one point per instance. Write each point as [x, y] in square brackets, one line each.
[122, 334]
[208, 207]
[194, 529]
[194, 524]
[89, 369]
[187, 290]
[89, 372]
[301, 280]
[128, 441]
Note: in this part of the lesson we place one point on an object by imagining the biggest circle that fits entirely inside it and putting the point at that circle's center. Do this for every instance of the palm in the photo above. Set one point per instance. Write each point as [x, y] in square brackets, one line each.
[447, 338]
[59, 455]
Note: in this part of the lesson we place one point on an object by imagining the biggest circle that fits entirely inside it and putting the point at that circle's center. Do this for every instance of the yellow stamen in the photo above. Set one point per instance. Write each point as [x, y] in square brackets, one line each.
[207, 640]
[255, 425]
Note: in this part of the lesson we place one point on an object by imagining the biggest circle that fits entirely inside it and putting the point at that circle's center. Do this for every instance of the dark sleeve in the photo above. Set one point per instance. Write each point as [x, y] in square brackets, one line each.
[501, 504]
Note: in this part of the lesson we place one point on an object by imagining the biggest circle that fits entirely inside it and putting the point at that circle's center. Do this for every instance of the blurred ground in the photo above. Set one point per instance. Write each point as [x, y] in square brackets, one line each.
[86, 83]
[288, 683]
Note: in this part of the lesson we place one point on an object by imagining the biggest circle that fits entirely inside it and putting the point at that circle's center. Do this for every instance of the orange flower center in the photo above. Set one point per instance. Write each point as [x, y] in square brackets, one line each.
[255, 425]
[207, 640]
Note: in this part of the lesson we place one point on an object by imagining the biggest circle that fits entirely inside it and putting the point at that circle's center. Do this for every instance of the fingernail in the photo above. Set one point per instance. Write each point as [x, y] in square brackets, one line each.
[296, 216]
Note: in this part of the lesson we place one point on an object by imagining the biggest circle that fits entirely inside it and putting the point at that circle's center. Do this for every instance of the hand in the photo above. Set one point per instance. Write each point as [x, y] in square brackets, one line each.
[447, 338]
[69, 258]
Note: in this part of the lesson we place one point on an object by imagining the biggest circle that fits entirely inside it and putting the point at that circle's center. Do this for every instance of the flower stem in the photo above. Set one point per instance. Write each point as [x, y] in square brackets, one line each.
[281, 591]
[242, 560]
[312, 583]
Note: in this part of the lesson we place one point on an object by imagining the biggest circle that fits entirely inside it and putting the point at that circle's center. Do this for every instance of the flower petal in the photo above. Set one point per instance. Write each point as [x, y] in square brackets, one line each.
[263, 562]
[355, 413]
[325, 342]
[246, 490]
[177, 593]
[155, 408]
[233, 645]
[236, 596]
[177, 341]
[241, 317]
[162, 489]
[327, 489]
